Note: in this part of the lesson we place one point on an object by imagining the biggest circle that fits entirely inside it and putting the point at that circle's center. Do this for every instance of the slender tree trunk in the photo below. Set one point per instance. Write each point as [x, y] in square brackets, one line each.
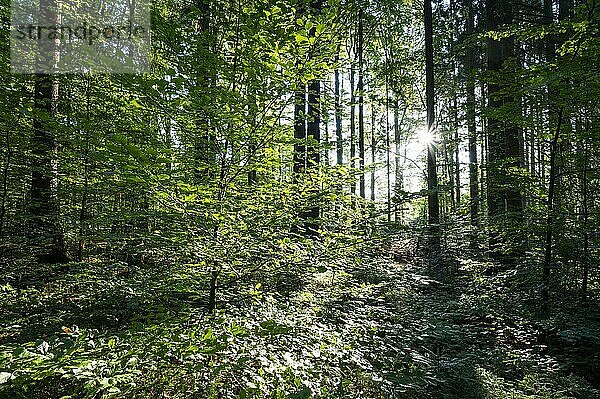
[456, 151]
[399, 159]
[584, 200]
[254, 120]
[472, 127]
[204, 151]
[314, 133]
[300, 130]
[398, 184]
[6, 169]
[325, 118]
[212, 294]
[373, 151]
[313, 151]
[449, 171]
[338, 119]
[352, 127]
[84, 197]
[432, 180]
[388, 149]
[361, 122]
[550, 218]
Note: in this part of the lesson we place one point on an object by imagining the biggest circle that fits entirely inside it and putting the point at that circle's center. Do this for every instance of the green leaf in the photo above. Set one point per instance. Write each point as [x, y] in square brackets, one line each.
[300, 38]
[303, 394]
[5, 377]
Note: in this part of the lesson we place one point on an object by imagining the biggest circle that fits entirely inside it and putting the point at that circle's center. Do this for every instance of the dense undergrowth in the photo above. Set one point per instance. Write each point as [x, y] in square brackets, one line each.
[360, 326]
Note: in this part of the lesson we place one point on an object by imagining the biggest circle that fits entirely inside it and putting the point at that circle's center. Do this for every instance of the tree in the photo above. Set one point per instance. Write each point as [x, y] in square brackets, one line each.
[361, 112]
[44, 201]
[505, 154]
[432, 181]
[471, 120]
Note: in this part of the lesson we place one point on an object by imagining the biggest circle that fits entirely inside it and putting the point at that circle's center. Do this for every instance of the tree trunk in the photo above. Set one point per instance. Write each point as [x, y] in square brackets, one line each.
[338, 119]
[550, 218]
[361, 122]
[584, 200]
[373, 151]
[399, 160]
[432, 181]
[472, 126]
[300, 130]
[505, 201]
[6, 169]
[388, 149]
[352, 128]
[204, 151]
[44, 205]
[456, 151]
[84, 197]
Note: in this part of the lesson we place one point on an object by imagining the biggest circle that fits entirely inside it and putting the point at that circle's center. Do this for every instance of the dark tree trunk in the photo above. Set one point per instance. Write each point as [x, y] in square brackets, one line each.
[300, 130]
[307, 132]
[44, 179]
[204, 151]
[472, 126]
[46, 229]
[433, 206]
[550, 218]
[505, 201]
[313, 151]
[585, 206]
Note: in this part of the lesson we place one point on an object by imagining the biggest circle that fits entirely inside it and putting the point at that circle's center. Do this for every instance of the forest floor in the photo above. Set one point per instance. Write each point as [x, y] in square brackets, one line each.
[364, 328]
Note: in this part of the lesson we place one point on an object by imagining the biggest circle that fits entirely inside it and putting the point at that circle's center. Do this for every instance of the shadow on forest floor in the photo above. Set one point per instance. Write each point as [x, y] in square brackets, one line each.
[368, 328]
[473, 337]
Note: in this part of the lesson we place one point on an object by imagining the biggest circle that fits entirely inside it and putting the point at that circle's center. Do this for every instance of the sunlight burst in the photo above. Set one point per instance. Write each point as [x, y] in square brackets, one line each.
[425, 136]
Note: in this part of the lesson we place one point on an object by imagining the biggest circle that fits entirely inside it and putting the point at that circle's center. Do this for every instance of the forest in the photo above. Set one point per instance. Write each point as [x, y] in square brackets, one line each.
[300, 199]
